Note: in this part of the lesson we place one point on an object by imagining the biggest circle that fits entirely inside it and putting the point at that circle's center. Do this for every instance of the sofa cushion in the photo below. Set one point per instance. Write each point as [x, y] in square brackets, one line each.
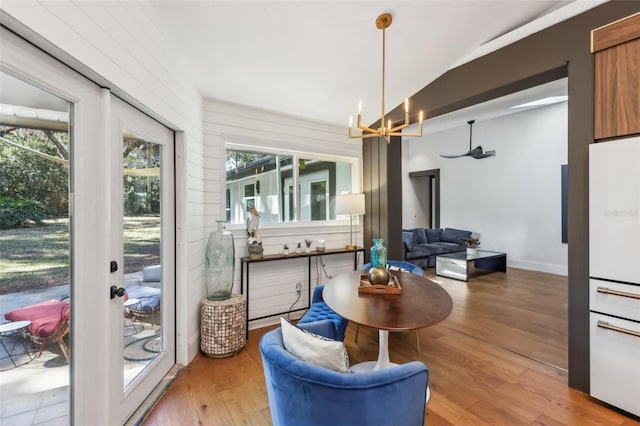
[46, 317]
[445, 247]
[419, 236]
[433, 235]
[457, 236]
[314, 349]
[423, 250]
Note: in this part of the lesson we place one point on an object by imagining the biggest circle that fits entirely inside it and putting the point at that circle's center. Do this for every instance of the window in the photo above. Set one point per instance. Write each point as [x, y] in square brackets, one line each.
[284, 187]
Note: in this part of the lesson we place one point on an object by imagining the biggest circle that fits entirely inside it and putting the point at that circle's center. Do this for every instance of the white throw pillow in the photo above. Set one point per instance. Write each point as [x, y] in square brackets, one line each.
[314, 349]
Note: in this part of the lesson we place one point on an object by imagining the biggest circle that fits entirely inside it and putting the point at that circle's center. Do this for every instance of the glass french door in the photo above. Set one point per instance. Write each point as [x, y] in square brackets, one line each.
[143, 258]
[116, 214]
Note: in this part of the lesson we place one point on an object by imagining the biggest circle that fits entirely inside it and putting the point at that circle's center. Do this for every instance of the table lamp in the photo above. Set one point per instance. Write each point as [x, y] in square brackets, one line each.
[350, 204]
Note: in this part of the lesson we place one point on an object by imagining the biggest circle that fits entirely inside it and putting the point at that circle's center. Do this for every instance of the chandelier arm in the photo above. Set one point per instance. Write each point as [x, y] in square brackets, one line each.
[399, 127]
[367, 129]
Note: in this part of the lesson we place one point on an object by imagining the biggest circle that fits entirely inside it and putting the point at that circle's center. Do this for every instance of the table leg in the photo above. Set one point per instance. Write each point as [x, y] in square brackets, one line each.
[383, 355]
[383, 358]
[383, 350]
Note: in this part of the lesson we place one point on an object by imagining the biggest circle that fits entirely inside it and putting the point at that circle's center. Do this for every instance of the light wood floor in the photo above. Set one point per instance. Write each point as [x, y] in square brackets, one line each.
[476, 376]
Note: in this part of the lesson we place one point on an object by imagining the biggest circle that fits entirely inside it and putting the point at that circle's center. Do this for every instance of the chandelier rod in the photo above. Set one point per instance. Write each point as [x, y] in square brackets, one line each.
[384, 29]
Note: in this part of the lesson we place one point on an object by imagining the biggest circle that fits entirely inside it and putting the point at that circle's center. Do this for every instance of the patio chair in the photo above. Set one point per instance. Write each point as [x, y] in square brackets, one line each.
[49, 323]
[149, 305]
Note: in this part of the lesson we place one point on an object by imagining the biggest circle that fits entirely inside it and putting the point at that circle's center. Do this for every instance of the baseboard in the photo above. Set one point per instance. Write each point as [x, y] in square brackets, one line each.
[540, 267]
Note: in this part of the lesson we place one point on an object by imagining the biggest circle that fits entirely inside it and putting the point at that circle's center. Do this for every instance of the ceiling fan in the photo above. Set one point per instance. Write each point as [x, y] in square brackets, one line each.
[476, 152]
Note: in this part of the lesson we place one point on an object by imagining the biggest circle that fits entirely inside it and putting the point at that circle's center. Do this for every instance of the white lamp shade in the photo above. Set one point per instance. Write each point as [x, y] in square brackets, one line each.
[350, 204]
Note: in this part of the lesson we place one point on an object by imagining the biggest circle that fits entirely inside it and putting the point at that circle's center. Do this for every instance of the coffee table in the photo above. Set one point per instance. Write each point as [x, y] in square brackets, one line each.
[421, 304]
[462, 266]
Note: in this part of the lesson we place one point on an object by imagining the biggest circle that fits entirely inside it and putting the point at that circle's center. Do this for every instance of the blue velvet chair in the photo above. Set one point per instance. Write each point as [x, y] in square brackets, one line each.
[414, 269]
[320, 311]
[305, 394]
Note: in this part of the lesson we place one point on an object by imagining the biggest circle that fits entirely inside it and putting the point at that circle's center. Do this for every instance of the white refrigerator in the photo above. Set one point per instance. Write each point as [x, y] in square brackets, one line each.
[614, 270]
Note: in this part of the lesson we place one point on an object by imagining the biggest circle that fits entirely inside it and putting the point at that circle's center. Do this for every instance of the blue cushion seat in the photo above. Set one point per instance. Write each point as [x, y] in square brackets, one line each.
[301, 393]
[149, 298]
[319, 311]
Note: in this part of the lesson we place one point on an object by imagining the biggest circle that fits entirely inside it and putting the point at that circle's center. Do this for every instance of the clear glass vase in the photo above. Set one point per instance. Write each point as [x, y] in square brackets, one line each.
[220, 264]
[378, 254]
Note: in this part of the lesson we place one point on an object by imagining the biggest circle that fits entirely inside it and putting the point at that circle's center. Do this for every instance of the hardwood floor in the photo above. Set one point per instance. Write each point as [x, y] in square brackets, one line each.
[476, 377]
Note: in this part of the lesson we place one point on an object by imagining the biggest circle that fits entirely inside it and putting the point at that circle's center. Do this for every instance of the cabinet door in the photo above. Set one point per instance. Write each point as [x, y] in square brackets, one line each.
[617, 90]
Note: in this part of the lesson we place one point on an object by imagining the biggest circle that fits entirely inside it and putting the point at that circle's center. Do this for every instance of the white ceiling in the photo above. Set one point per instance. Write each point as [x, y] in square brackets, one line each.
[317, 59]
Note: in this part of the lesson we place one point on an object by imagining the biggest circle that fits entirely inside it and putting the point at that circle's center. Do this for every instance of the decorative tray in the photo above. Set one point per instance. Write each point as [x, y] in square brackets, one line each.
[392, 288]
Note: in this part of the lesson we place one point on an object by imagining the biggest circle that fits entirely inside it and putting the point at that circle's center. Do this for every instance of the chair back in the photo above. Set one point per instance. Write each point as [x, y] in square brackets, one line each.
[305, 394]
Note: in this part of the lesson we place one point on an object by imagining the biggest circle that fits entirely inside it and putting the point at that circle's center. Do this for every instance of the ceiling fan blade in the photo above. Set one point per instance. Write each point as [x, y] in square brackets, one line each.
[484, 155]
[453, 156]
[475, 151]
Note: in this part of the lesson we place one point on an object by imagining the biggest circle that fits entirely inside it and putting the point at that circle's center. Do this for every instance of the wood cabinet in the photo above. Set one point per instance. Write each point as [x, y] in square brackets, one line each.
[617, 78]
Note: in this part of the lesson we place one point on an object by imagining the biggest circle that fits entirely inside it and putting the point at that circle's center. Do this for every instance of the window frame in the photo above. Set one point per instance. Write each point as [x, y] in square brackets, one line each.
[356, 182]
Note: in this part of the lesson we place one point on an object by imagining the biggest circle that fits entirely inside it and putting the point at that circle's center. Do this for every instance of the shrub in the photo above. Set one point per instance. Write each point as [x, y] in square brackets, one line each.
[20, 213]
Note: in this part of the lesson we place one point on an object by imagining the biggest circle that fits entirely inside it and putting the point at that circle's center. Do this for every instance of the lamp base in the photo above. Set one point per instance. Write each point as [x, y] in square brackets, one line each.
[350, 247]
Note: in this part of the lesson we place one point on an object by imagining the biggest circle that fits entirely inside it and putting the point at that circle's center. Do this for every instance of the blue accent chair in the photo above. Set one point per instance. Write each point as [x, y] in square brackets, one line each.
[301, 393]
[414, 269]
[320, 311]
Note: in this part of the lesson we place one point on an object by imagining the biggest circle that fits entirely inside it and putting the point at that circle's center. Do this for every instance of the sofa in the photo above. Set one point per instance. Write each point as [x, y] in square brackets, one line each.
[422, 245]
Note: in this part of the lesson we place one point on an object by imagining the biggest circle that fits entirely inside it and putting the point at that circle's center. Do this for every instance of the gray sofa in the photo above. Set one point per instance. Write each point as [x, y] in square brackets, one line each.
[422, 245]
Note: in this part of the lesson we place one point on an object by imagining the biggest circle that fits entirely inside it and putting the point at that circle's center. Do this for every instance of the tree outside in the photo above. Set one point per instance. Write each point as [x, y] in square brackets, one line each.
[34, 208]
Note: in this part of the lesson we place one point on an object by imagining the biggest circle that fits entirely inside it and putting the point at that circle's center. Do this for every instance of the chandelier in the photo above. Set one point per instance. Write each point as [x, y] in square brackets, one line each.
[382, 23]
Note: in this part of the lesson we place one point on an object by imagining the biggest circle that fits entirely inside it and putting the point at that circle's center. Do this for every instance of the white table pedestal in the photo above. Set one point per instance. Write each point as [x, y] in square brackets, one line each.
[383, 359]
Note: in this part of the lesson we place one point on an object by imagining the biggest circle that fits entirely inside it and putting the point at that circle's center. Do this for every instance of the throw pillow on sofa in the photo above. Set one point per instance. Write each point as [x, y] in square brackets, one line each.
[452, 235]
[433, 235]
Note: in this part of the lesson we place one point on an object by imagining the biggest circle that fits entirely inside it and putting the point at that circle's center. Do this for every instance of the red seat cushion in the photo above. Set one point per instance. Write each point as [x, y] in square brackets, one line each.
[46, 317]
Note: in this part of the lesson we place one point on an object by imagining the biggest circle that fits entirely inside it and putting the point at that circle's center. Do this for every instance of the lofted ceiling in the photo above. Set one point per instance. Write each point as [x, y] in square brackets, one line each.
[317, 59]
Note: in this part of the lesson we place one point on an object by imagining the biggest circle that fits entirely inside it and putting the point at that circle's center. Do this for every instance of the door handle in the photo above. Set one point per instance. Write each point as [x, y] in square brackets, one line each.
[115, 291]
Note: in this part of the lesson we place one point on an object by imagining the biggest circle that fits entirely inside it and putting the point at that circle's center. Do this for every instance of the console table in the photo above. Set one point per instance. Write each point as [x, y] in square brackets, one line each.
[247, 261]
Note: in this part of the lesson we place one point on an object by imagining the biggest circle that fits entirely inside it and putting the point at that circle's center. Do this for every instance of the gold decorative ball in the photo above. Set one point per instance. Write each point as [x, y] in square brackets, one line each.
[378, 275]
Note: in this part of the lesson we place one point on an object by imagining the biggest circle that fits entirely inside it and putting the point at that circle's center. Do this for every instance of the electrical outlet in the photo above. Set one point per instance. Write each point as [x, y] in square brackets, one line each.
[298, 288]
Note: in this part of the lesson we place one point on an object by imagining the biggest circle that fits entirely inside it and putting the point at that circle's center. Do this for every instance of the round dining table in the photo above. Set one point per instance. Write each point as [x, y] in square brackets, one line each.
[422, 303]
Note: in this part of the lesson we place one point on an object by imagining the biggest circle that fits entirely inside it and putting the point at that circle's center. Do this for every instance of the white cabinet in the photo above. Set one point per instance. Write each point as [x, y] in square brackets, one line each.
[614, 269]
[615, 361]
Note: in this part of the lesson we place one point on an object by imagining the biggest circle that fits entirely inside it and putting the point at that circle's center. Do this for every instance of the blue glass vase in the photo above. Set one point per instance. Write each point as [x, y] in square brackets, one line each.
[378, 254]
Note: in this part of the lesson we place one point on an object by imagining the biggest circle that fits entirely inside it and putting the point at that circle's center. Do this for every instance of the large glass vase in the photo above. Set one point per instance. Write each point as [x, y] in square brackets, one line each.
[378, 254]
[220, 264]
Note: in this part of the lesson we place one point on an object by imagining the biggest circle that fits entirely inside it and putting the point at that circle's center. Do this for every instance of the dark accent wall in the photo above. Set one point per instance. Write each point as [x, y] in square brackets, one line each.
[382, 185]
[558, 51]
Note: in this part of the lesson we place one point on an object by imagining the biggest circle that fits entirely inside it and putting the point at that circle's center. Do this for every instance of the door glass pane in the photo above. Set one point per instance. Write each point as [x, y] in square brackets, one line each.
[141, 240]
[34, 254]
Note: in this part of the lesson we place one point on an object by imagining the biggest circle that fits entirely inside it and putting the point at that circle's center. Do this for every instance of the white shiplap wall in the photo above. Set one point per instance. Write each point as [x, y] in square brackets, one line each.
[273, 283]
[120, 46]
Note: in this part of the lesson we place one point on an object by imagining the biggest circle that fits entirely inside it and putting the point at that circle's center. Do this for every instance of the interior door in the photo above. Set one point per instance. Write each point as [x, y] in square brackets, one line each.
[142, 246]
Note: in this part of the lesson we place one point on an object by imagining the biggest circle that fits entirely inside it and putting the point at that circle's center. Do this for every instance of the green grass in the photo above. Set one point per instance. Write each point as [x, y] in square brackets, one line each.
[33, 258]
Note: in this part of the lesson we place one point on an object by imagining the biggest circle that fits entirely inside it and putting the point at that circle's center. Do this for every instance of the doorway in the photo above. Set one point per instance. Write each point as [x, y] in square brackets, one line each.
[426, 186]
